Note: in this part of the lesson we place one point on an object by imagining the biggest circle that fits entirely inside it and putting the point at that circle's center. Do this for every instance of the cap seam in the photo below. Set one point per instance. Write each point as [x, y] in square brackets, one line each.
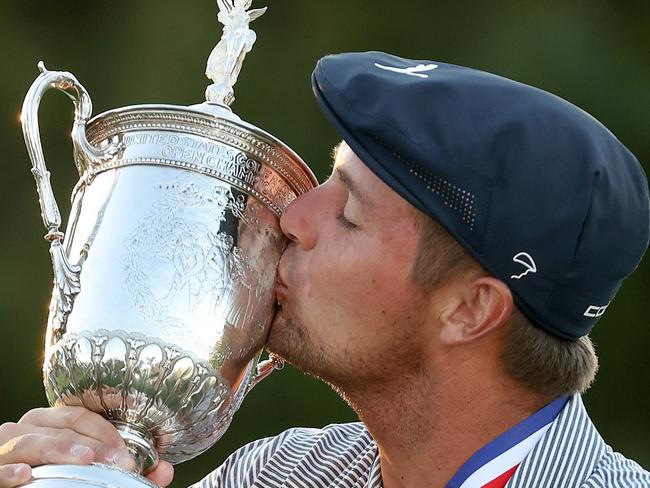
[560, 283]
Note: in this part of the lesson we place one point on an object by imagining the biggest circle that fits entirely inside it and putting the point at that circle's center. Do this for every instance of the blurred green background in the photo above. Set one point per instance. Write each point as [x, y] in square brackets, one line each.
[593, 53]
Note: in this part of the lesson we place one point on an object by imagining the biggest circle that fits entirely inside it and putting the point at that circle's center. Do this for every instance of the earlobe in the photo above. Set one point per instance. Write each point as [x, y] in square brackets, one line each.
[483, 306]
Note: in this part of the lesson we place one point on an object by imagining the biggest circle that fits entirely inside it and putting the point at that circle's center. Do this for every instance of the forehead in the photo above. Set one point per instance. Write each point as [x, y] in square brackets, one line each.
[379, 193]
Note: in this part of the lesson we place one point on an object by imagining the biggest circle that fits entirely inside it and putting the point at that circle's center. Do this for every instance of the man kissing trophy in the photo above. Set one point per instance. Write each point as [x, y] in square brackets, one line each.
[163, 281]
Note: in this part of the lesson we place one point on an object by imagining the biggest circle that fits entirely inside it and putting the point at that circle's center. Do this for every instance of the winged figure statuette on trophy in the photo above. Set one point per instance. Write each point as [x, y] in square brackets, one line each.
[226, 59]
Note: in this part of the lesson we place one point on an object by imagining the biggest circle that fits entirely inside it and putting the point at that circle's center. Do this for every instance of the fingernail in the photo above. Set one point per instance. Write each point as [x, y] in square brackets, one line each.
[122, 459]
[80, 451]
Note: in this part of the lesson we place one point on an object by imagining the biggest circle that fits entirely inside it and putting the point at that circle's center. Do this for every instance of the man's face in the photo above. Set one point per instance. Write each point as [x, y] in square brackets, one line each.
[349, 306]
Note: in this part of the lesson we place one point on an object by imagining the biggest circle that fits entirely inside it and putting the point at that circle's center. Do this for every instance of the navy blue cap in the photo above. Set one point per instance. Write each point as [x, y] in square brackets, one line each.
[538, 191]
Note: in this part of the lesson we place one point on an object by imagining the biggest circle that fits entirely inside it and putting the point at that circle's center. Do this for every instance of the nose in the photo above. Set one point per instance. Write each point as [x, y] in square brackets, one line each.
[297, 220]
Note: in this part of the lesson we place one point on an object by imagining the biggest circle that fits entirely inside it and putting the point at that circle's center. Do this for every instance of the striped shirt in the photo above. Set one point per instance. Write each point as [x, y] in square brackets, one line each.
[494, 464]
[570, 454]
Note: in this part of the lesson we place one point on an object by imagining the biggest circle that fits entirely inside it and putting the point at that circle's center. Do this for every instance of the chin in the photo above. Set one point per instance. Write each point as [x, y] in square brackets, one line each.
[291, 341]
[284, 337]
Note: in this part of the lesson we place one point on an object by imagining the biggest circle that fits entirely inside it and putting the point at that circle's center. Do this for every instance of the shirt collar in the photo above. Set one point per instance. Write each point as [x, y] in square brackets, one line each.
[509, 448]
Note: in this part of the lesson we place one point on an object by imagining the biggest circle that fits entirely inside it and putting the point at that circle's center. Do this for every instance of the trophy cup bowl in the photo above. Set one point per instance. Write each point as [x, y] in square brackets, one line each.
[163, 281]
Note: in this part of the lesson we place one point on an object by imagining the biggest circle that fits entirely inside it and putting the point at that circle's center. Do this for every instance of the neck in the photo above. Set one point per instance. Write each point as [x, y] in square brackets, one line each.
[427, 429]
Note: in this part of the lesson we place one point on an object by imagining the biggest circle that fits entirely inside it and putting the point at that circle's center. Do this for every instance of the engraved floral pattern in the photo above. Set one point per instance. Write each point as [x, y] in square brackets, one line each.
[205, 264]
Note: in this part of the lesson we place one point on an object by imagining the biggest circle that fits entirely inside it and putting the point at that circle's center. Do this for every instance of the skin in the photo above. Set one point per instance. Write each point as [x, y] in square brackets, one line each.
[329, 307]
[421, 368]
[64, 435]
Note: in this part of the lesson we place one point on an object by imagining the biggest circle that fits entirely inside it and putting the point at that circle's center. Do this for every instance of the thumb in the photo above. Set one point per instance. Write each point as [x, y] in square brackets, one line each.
[163, 474]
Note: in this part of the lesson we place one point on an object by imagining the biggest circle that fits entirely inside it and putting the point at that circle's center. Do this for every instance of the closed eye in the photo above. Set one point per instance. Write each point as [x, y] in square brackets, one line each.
[345, 222]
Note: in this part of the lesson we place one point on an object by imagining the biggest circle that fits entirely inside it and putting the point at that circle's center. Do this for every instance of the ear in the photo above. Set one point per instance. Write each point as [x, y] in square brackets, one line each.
[482, 306]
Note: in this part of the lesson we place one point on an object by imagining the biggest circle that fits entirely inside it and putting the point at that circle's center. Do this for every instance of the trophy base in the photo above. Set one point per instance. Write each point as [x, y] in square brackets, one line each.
[93, 476]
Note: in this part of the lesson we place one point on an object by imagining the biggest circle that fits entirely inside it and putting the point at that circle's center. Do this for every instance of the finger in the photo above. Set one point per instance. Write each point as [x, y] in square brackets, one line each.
[104, 453]
[14, 474]
[77, 419]
[12, 430]
[163, 474]
[36, 449]
[120, 457]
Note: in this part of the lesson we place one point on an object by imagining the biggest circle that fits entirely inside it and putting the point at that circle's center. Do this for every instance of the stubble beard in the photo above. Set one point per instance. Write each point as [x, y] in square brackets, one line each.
[388, 386]
[352, 370]
[290, 341]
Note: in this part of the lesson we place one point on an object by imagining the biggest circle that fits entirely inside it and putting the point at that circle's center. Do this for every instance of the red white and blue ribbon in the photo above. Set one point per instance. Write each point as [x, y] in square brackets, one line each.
[495, 463]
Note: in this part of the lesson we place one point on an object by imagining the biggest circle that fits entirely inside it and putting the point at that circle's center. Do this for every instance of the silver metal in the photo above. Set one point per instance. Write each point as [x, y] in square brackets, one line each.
[225, 60]
[95, 476]
[66, 274]
[163, 281]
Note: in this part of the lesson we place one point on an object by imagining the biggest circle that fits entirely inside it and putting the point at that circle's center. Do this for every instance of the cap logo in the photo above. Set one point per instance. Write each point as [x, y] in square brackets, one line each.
[417, 71]
[527, 261]
[595, 311]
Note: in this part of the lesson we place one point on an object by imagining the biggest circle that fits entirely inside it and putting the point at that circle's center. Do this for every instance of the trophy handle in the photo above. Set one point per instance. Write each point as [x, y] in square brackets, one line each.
[66, 275]
[264, 369]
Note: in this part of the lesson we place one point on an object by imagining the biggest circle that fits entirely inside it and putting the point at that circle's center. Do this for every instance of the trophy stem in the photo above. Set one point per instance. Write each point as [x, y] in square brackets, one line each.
[140, 444]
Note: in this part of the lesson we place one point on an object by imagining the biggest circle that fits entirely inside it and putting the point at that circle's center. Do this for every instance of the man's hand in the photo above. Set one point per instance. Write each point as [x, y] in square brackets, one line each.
[65, 435]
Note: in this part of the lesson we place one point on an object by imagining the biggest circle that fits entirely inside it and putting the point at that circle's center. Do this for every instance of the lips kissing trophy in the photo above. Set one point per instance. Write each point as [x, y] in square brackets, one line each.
[163, 281]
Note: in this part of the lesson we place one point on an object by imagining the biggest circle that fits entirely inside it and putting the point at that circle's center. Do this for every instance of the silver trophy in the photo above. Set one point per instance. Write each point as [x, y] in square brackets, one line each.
[163, 281]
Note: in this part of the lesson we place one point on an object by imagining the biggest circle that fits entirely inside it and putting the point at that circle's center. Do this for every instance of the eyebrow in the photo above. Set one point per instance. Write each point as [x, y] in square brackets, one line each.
[352, 187]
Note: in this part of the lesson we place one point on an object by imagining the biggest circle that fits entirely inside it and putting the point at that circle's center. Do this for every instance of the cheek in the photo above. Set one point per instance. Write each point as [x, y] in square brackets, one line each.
[388, 270]
[361, 283]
